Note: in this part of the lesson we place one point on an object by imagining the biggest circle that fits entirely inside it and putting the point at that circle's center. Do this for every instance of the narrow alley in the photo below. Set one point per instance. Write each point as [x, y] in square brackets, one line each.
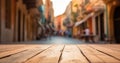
[59, 31]
[30, 20]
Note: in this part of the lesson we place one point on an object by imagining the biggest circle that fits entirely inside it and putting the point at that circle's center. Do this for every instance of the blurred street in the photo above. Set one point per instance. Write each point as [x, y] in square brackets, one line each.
[80, 20]
[58, 40]
[59, 31]
[65, 40]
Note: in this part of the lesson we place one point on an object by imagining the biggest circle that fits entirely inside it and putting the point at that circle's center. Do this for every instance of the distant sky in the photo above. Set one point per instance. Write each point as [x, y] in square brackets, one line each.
[60, 6]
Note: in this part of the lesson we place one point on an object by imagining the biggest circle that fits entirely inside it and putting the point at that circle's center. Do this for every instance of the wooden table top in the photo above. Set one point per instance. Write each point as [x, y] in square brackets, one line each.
[85, 53]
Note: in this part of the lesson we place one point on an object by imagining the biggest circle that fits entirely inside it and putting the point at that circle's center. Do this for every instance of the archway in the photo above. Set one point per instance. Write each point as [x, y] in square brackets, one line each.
[116, 21]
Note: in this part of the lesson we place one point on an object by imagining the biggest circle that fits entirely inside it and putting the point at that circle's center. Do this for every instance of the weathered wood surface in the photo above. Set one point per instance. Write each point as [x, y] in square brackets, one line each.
[60, 53]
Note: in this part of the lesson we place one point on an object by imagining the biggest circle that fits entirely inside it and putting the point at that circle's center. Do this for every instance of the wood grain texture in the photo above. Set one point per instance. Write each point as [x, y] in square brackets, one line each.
[50, 55]
[97, 57]
[25, 55]
[85, 53]
[71, 54]
[110, 52]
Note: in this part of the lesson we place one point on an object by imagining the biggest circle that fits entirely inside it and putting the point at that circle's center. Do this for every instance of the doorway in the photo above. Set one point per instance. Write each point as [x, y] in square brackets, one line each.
[23, 38]
[97, 25]
[102, 34]
[116, 22]
[99, 21]
[19, 25]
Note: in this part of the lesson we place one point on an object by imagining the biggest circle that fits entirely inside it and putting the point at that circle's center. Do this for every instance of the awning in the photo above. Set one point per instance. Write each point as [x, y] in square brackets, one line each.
[84, 20]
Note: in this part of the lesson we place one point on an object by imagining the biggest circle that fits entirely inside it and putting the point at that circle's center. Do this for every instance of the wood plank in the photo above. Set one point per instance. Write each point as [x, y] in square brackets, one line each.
[114, 47]
[25, 55]
[90, 55]
[17, 50]
[60, 54]
[108, 51]
[103, 57]
[72, 54]
[51, 55]
[4, 48]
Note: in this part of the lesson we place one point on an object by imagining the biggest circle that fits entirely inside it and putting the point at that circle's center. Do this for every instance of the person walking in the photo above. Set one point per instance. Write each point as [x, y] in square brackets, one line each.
[87, 34]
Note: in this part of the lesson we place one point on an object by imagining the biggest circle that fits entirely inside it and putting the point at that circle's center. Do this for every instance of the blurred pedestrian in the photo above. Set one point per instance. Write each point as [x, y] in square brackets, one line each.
[87, 34]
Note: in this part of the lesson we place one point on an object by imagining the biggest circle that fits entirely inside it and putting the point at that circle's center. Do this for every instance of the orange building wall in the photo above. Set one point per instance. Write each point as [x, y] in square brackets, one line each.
[90, 24]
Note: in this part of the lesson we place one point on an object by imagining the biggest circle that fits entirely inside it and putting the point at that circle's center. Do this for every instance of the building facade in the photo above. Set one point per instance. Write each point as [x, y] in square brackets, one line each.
[105, 22]
[17, 21]
[113, 21]
[49, 12]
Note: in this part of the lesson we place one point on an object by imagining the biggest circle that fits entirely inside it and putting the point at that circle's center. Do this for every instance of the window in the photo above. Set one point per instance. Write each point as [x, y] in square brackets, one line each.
[8, 13]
